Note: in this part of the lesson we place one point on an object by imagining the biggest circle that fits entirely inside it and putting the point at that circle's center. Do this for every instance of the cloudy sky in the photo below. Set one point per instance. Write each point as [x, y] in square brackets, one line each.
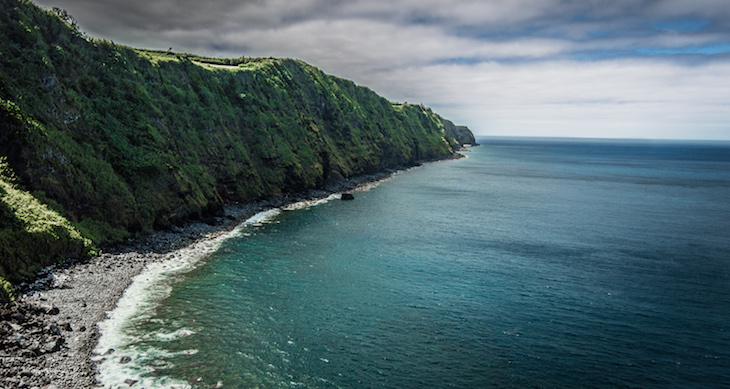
[586, 68]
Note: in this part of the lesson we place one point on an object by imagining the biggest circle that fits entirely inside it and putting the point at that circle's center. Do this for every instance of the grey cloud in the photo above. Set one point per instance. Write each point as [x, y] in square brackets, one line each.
[512, 57]
[495, 20]
[156, 16]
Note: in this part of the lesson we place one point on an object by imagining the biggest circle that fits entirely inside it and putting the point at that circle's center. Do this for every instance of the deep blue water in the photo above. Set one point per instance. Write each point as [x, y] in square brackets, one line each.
[533, 263]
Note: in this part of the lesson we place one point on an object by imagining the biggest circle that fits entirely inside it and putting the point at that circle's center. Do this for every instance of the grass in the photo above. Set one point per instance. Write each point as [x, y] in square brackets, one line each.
[32, 235]
[109, 142]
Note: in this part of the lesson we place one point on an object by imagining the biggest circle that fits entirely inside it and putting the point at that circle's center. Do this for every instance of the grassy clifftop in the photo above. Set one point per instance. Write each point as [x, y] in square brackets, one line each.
[116, 141]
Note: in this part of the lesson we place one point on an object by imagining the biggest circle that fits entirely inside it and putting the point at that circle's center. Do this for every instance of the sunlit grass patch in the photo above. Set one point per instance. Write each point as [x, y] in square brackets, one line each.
[32, 235]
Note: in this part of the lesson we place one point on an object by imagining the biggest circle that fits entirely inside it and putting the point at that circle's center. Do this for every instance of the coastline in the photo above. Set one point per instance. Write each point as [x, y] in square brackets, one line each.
[53, 328]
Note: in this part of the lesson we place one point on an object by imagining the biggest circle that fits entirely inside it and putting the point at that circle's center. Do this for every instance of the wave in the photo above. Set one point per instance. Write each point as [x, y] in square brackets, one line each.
[119, 357]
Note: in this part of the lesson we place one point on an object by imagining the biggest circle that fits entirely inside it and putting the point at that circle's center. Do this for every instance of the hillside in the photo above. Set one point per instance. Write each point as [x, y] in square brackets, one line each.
[99, 141]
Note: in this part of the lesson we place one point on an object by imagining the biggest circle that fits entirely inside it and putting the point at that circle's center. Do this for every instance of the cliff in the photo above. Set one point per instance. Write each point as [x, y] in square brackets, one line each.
[99, 141]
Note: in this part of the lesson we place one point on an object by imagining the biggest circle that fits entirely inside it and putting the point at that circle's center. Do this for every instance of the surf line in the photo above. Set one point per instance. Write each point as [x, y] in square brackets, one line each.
[116, 352]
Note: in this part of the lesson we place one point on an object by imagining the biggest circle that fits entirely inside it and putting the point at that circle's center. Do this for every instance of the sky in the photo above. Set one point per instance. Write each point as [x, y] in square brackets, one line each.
[564, 68]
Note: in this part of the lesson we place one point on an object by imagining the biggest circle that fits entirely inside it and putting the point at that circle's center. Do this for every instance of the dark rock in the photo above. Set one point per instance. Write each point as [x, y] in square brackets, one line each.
[130, 381]
[53, 344]
[19, 317]
[52, 311]
[52, 328]
[347, 196]
[125, 359]
[66, 326]
[334, 181]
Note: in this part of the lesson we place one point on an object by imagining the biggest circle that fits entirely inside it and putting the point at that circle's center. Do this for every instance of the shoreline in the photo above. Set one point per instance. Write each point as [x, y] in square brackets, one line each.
[53, 329]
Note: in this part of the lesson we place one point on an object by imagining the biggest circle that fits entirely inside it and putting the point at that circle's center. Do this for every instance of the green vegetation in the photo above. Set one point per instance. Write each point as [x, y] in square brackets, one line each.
[29, 231]
[7, 292]
[108, 141]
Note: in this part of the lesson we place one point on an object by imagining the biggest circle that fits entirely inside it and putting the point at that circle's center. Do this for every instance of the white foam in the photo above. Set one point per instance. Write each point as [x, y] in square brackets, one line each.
[113, 373]
[364, 187]
[181, 333]
[137, 305]
[147, 289]
[305, 204]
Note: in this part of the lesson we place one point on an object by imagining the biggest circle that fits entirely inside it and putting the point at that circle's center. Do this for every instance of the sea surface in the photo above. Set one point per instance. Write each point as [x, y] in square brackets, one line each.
[532, 263]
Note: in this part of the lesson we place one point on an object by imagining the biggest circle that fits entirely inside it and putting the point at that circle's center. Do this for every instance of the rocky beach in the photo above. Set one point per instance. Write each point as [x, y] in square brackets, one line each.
[49, 334]
[101, 142]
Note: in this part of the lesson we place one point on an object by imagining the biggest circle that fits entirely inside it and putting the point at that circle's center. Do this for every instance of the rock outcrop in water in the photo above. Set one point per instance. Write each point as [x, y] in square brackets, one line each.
[99, 142]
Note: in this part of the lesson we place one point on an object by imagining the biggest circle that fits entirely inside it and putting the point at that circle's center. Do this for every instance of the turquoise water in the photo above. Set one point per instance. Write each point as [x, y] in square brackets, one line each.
[532, 263]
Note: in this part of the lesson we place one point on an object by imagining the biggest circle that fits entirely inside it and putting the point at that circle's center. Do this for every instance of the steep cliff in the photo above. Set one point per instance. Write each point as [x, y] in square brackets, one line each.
[101, 141]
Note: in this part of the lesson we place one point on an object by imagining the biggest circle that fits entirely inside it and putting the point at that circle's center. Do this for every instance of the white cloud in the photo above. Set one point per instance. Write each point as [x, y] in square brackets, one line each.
[621, 98]
[366, 46]
[503, 67]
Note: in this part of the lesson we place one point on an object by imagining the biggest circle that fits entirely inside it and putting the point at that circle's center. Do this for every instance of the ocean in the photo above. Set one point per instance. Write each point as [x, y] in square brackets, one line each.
[532, 263]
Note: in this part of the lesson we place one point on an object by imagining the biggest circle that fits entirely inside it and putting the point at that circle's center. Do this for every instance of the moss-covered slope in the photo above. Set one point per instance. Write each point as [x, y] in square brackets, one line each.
[116, 141]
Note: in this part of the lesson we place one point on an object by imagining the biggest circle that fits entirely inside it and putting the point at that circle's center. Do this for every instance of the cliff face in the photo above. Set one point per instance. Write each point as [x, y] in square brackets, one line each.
[110, 141]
